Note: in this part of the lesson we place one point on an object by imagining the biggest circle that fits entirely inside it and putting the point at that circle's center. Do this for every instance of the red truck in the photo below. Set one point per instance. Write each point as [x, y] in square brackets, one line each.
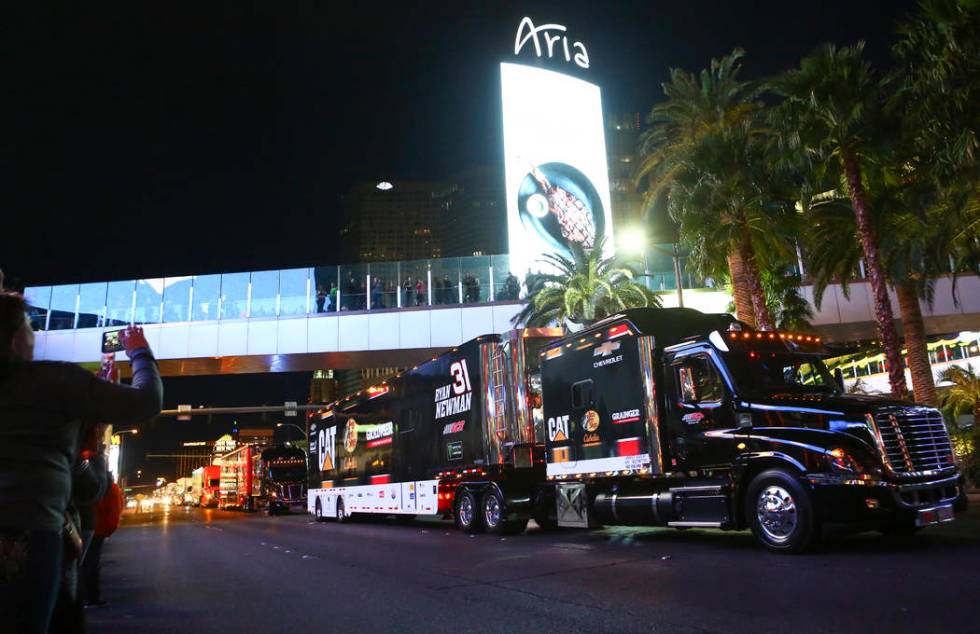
[206, 485]
[241, 478]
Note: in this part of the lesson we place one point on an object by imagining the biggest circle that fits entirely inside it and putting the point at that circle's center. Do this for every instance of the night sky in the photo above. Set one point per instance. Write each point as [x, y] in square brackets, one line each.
[153, 138]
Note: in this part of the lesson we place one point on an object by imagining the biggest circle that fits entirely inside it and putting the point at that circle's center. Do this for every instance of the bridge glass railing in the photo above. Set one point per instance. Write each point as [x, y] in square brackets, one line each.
[299, 292]
[205, 297]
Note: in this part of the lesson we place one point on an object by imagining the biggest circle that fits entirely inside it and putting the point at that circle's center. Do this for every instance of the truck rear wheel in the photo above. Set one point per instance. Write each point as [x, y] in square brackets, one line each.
[467, 512]
[780, 512]
[341, 512]
[492, 507]
[318, 510]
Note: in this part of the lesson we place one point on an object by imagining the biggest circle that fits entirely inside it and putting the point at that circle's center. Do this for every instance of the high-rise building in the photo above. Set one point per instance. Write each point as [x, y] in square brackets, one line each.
[355, 380]
[622, 150]
[475, 214]
[324, 387]
[393, 221]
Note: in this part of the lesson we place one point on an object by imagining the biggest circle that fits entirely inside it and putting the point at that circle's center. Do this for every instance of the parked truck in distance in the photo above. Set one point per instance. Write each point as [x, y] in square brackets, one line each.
[283, 478]
[241, 479]
[661, 417]
[206, 486]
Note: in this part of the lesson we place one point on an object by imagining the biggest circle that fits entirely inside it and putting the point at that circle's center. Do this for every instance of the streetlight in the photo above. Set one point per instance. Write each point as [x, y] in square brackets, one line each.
[117, 440]
[302, 431]
[633, 240]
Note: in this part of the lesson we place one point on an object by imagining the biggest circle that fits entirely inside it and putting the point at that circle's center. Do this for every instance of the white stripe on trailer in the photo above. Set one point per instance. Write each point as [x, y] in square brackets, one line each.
[599, 466]
[420, 497]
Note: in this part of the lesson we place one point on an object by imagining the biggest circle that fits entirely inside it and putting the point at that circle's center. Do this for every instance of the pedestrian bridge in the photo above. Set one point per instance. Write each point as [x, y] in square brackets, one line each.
[391, 314]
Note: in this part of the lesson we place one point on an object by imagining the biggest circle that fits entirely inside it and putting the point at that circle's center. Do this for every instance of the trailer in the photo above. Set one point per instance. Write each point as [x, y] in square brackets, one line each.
[458, 431]
[241, 479]
[659, 417]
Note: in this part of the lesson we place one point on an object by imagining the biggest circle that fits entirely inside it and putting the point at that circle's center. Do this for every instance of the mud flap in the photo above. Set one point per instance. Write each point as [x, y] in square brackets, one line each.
[573, 505]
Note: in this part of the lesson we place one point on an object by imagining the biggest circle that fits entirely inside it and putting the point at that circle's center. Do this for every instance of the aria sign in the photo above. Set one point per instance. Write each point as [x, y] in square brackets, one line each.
[550, 34]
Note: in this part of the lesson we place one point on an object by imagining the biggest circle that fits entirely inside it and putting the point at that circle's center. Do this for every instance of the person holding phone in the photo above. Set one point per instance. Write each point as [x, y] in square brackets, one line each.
[45, 408]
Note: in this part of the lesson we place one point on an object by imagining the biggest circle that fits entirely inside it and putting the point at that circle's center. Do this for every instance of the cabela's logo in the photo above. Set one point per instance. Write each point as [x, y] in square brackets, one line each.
[350, 436]
[550, 35]
[590, 424]
[590, 421]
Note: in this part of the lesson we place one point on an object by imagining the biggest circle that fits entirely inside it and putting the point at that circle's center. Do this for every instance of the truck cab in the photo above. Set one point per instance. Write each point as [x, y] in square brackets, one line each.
[674, 417]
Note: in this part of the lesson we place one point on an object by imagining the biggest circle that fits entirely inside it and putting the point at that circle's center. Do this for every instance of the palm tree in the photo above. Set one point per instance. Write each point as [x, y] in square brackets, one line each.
[727, 202]
[699, 105]
[832, 105]
[584, 289]
[963, 396]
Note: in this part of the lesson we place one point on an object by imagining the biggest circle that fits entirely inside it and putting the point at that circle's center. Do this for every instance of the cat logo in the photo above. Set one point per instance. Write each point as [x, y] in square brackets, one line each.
[605, 349]
[558, 428]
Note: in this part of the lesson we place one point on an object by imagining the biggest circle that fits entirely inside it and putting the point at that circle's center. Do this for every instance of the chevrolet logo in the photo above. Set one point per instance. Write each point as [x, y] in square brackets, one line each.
[605, 349]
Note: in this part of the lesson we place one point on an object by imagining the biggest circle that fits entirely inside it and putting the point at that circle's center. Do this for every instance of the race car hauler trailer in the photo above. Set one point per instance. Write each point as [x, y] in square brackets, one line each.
[459, 435]
[653, 417]
[206, 485]
[677, 418]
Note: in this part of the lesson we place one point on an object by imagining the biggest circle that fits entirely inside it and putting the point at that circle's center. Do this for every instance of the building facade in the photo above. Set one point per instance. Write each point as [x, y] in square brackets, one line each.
[393, 221]
[622, 149]
[475, 213]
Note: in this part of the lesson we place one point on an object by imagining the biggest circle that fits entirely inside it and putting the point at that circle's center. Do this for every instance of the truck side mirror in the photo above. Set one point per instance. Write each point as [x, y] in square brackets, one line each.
[839, 377]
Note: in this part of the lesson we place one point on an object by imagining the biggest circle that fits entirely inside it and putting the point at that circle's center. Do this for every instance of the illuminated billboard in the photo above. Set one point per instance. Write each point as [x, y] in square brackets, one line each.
[557, 184]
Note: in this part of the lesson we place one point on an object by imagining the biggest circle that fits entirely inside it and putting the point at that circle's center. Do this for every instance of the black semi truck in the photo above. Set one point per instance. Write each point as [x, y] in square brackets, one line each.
[284, 478]
[664, 417]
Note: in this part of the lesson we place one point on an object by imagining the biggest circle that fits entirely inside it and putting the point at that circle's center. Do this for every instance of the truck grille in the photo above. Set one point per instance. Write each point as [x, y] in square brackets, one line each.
[914, 439]
[293, 492]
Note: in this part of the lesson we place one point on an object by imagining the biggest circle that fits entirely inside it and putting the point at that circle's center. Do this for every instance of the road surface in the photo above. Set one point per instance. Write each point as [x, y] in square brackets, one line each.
[192, 570]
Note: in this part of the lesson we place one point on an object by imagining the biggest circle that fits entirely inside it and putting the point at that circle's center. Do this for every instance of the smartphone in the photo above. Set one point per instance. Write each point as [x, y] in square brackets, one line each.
[112, 341]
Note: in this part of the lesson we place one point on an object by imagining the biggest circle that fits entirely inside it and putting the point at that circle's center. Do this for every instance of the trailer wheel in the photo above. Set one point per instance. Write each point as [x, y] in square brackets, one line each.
[318, 510]
[466, 512]
[342, 515]
[780, 512]
[492, 507]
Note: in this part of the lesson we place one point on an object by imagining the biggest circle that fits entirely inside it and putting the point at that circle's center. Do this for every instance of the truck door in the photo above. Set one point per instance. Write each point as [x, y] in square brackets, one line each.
[701, 418]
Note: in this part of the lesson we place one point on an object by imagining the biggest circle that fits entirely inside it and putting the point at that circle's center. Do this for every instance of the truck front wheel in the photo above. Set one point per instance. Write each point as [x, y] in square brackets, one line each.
[467, 512]
[341, 512]
[780, 512]
[493, 515]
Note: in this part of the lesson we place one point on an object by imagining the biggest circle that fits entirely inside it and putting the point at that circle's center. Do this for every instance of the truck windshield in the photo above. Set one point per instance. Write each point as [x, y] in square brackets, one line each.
[287, 474]
[765, 373]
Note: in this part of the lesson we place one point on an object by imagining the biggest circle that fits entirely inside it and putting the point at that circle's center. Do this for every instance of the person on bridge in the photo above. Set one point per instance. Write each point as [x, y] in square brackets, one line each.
[45, 408]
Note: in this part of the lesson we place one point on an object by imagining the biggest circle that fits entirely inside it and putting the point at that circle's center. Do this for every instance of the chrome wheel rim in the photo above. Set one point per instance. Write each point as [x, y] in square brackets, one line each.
[466, 510]
[340, 510]
[491, 510]
[776, 512]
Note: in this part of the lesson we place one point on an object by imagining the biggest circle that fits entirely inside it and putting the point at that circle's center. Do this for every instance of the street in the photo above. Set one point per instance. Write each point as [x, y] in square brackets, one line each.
[194, 570]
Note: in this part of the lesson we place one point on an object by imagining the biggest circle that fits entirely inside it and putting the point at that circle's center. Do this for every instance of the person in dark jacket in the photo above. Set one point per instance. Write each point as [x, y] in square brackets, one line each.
[45, 407]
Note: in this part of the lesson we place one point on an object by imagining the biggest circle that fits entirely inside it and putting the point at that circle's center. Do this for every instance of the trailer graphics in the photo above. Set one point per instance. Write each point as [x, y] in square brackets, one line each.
[661, 417]
[448, 425]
